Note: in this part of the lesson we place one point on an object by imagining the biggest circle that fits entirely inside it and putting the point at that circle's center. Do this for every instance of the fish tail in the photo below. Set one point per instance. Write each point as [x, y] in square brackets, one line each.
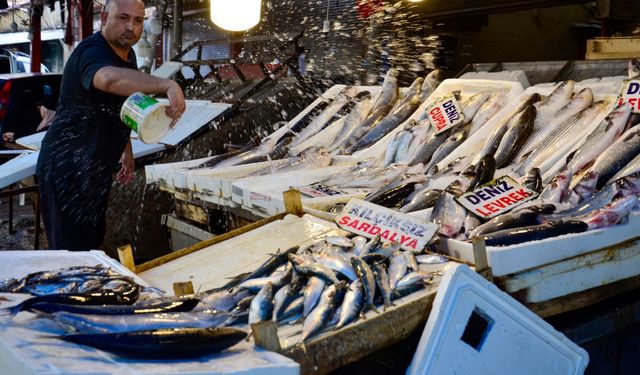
[10, 312]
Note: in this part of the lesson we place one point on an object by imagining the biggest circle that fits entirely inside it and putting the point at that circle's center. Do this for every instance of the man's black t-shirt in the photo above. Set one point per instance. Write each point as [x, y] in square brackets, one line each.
[86, 137]
[81, 150]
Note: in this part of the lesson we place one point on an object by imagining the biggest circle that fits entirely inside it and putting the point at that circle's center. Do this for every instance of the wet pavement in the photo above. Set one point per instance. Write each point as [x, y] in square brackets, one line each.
[23, 235]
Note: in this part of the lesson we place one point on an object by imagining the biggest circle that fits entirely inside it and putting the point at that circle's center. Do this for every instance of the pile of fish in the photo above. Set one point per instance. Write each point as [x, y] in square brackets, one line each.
[329, 284]
[362, 120]
[103, 310]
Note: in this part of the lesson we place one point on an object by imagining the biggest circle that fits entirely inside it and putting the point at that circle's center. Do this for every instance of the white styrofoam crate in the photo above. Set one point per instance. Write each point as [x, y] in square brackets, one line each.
[577, 274]
[18, 168]
[507, 260]
[28, 348]
[157, 172]
[475, 328]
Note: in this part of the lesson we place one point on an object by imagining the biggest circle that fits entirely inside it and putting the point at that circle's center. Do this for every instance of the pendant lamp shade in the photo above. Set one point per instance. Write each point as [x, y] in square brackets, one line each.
[235, 15]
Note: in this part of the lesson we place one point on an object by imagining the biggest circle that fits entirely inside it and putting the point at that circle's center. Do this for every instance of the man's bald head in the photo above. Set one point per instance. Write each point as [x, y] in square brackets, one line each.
[122, 23]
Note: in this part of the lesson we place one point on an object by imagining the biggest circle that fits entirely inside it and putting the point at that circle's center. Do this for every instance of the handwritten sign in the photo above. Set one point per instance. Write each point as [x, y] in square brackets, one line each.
[368, 219]
[445, 113]
[496, 197]
[631, 94]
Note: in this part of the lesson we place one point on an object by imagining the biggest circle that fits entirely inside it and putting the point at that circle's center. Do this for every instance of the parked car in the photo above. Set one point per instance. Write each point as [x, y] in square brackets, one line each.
[20, 96]
[17, 62]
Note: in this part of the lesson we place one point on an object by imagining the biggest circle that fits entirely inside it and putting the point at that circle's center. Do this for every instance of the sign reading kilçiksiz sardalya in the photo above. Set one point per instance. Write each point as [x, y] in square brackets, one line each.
[496, 197]
[631, 94]
[445, 113]
[368, 219]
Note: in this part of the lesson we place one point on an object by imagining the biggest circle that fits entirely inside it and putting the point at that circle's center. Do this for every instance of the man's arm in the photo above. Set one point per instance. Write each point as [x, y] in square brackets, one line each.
[124, 82]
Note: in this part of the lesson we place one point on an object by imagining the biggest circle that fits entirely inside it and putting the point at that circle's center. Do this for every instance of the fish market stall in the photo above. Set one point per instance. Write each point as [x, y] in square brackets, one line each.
[34, 346]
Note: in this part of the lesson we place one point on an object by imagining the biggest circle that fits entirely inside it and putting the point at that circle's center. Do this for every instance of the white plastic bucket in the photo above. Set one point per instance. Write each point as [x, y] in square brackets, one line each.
[146, 116]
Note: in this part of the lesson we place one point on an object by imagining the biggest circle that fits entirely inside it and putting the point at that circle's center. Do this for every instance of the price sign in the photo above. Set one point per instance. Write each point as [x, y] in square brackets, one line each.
[496, 197]
[368, 219]
[445, 113]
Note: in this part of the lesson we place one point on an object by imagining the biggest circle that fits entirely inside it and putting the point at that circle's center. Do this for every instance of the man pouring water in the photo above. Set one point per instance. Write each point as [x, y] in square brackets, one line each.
[86, 141]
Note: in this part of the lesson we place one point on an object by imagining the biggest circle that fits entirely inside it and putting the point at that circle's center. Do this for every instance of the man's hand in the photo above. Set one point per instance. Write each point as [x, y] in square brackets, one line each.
[128, 166]
[177, 104]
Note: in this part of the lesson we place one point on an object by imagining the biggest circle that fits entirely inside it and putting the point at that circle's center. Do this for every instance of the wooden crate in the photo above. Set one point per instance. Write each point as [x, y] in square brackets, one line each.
[613, 48]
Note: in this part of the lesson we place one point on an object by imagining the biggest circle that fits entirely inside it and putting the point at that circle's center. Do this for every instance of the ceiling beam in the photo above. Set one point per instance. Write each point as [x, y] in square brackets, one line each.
[457, 8]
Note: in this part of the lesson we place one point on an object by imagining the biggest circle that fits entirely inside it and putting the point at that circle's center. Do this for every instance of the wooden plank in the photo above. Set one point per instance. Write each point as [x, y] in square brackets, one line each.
[201, 245]
[336, 349]
[613, 48]
[582, 299]
[480, 258]
[293, 202]
[192, 212]
[125, 255]
[265, 335]
[182, 288]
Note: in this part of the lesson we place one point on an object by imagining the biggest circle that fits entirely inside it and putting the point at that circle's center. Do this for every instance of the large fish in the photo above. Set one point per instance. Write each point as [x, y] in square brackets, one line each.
[138, 322]
[632, 168]
[616, 156]
[612, 213]
[162, 343]
[602, 137]
[517, 133]
[580, 101]
[560, 141]
[558, 98]
[388, 123]
[321, 121]
[355, 117]
[489, 109]
[450, 144]
[515, 236]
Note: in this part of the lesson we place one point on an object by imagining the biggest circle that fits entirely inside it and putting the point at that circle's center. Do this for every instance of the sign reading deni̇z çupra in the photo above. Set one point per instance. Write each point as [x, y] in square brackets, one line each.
[445, 113]
[368, 220]
[496, 197]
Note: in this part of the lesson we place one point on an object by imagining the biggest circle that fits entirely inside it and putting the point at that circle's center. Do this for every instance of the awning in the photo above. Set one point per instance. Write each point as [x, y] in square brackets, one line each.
[23, 37]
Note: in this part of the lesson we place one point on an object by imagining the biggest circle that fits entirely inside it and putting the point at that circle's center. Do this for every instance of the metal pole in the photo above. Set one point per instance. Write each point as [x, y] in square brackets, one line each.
[176, 42]
[36, 52]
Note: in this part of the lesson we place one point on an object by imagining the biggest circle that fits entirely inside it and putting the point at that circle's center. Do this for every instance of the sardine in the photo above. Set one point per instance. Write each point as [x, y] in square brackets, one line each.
[352, 304]
[382, 279]
[312, 293]
[261, 308]
[317, 319]
[311, 268]
[337, 264]
[397, 268]
[368, 281]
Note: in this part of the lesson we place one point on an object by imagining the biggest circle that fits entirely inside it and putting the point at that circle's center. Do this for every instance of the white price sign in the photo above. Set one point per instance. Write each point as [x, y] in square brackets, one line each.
[445, 113]
[496, 197]
[631, 94]
[368, 220]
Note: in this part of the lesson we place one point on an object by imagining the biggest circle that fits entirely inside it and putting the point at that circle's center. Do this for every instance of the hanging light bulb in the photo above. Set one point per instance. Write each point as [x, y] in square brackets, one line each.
[235, 15]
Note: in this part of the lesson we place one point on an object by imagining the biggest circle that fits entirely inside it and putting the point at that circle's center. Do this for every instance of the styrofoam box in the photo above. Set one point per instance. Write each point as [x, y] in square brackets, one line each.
[155, 173]
[18, 168]
[475, 328]
[516, 258]
[28, 348]
[510, 75]
[577, 274]
[602, 89]
[213, 266]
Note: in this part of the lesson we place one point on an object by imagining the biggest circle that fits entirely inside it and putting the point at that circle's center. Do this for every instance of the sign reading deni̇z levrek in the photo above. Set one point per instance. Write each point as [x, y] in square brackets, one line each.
[496, 197]
[368, 220]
